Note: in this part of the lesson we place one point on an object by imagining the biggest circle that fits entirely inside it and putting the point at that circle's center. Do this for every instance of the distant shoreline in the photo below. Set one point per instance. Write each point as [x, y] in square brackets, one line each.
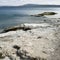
[30, 5]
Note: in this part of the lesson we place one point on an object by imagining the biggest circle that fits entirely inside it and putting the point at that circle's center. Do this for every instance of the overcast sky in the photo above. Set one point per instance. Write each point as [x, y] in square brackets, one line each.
[21, 2]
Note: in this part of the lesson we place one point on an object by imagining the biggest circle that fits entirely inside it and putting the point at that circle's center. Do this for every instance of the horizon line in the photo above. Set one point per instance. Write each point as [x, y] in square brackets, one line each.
[28, 4]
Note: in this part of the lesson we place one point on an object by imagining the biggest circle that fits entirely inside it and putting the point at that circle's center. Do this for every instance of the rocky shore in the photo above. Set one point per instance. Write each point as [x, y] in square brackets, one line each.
[31, 41]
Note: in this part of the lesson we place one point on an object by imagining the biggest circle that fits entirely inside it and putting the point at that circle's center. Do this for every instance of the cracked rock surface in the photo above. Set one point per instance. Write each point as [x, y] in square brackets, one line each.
[42, 43]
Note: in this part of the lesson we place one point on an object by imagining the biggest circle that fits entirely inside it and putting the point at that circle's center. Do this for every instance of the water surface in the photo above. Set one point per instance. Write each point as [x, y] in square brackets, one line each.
[16, 16]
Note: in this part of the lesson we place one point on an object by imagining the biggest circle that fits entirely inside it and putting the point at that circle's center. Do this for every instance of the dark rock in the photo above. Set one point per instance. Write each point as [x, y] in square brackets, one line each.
[1, 55]
[16, 28]
[16, 47]
[44, 20]
[26, 28]
[44, 52]
[48, 13]
[37, 58]
[58, 20]
[39, 37]
[38, 15]
[44, 13]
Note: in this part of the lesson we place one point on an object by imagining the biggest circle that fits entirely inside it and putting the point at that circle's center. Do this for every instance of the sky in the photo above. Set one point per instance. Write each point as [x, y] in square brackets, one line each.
[22, 2]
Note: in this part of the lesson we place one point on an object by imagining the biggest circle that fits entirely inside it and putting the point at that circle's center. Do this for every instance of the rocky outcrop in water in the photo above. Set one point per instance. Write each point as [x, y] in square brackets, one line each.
[48, 13]
[44, 13]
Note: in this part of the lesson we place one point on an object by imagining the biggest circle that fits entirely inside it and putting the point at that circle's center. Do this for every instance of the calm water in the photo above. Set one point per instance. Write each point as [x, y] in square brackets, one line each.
[11, 17]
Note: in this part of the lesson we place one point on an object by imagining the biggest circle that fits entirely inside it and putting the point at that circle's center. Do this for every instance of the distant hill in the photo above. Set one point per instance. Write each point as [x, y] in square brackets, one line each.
[36, 5]
[29, 5]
